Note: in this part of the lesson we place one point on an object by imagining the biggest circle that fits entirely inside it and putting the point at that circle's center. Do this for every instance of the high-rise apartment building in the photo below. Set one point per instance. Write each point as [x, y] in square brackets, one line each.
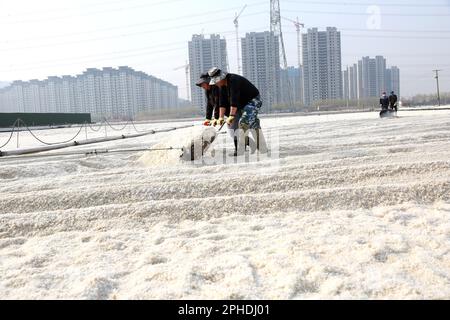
[353, 82]
[380, 74]
[322, 61]
[204, 54]
[393, 80]
[119, 93]
[295, 78]
[261, 65]
[350, 82]
[372, 77]
[346, 84]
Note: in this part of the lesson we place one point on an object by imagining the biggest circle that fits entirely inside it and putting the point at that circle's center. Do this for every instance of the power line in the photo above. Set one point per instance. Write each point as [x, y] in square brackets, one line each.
[90, 13]
[147, 54]
[95, 60]
[126, 34]
[394, 37]
[392, 30]
[98, 58]
[146, 50]
[108, 3]
[206, 13]
[175, 27]
[427, 5]
[415, 55]
[188, 17]
[49, 63]
[366, 14]
[107, 11]
[165, 45]
[388, 36]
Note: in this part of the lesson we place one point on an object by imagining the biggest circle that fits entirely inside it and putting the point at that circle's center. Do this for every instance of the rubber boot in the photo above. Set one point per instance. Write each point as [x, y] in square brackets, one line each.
[247, 142]
[261, 144]
[235, 153]
[240, 142]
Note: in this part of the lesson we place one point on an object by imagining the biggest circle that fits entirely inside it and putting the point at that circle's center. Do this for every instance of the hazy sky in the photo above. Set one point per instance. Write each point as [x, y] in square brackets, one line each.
[57, 37]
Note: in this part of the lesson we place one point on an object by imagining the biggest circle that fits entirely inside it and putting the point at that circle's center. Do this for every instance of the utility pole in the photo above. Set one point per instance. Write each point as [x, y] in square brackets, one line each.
[236, 25]
[437, 82]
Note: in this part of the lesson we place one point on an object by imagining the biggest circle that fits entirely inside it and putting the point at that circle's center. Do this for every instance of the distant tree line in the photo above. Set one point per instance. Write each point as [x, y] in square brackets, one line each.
[162, 114]
[368, 104]
[426, 100]
[330, 105]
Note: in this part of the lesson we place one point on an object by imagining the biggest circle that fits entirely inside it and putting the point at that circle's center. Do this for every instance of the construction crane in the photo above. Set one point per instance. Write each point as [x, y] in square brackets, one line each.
[298, 26]
[187, 68]
[236, 24]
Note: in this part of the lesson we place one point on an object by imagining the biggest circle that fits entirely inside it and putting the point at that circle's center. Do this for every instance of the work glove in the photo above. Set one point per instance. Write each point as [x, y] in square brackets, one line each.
[207, 123]
[230, 120]
[220, 122]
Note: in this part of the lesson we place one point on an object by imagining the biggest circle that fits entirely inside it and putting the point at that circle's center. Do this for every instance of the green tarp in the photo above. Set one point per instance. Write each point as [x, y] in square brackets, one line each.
[44, 119]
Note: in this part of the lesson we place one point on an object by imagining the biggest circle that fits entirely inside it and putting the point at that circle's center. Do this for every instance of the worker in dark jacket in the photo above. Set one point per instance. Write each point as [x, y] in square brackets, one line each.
[384, 101]
[393, 99]
[245, 103]
[212, 96]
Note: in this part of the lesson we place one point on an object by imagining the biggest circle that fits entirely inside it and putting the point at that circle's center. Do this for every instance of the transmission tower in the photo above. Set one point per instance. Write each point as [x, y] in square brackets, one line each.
[275, 27]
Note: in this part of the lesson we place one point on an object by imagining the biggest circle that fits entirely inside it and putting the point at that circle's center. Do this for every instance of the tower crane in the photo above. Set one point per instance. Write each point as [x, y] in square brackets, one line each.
[236, 24]
[187, 68]
[298, 25]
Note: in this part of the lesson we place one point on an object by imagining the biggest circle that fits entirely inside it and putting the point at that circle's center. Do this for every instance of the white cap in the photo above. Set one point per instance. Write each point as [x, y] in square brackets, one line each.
[216, 75]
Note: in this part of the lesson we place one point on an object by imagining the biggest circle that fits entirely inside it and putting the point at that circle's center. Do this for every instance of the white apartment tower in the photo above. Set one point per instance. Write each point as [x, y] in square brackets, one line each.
[350, 82]
[261, 65]
[110, 93]
[204, 54]
[393, 80]
[372, 77]
[295, 78]
[322, 61]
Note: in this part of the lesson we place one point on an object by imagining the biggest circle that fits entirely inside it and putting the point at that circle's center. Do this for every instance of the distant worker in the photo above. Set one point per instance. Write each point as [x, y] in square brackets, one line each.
[384, 101]
[393, 99]
[245, 103]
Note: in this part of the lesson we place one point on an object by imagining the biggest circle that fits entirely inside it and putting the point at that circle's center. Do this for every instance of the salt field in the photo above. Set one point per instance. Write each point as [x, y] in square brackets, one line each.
[355, 207]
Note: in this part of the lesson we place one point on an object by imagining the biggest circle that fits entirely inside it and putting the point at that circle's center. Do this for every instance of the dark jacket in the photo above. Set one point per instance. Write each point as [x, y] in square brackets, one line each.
[384, 102]
[240, 91]
[393, 100]
[216, 98]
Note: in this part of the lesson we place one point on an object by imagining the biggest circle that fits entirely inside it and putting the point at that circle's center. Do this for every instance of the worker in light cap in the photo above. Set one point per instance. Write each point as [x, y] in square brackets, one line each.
[245, 104]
